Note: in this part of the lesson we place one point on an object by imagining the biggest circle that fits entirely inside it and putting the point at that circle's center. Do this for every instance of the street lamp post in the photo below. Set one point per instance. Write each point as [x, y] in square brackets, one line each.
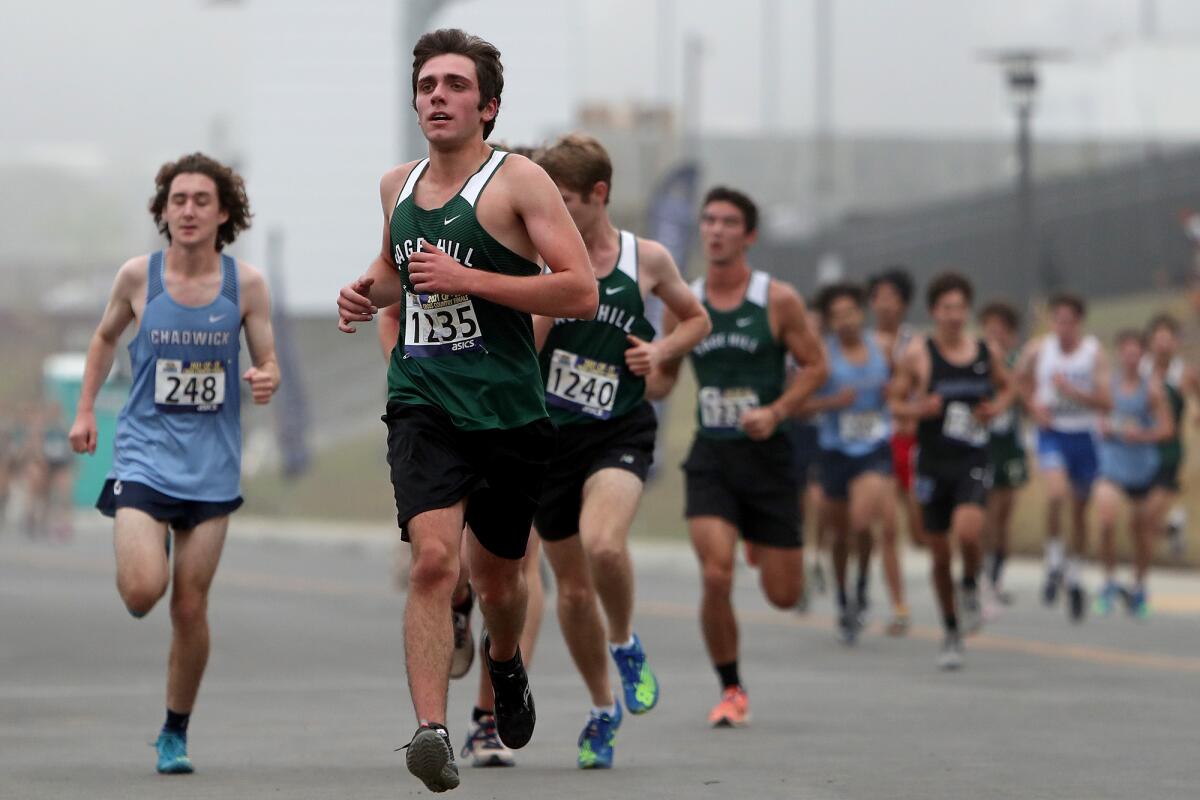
[1021, 76]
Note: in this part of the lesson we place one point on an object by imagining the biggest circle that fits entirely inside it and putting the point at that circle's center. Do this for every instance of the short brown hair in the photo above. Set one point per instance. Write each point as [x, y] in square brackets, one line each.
[489, 72]
[944, 284]
[1005, 312]
[1071, 301]
[231, 194]
[723, 194]
[578, 162]
[1163, 320]
[1130, 335]
[835, 291]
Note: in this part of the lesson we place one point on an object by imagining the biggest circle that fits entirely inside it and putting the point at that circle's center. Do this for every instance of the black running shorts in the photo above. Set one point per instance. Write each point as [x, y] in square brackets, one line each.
[626, 442]
[180, 515]
[940, 492]
[435, 464]
[750, 484]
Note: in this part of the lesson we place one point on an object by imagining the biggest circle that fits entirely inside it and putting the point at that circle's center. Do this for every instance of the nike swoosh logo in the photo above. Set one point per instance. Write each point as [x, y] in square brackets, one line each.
[448, 220]
[744, 321]
[215, 318]
[613, 290]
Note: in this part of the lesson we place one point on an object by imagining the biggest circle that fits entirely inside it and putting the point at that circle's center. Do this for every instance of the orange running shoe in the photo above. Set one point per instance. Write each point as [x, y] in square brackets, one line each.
[733, 711]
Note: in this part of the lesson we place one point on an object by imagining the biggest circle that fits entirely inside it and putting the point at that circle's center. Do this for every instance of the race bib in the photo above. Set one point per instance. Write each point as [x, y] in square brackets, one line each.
[723, 408]
[192, 386]
[962, 426]
[582, 384]
[861, 426]
[441, 325]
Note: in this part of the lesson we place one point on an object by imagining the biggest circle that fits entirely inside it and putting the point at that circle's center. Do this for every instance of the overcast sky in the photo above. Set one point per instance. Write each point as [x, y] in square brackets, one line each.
[308, 92]
[124, 76]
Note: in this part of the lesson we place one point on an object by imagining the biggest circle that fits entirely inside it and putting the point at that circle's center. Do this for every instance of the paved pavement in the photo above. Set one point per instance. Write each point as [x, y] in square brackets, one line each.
[305, 693]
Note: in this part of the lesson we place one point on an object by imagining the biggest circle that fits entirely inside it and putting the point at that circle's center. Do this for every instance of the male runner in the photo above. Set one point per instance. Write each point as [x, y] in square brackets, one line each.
[1001, 326]
[178, 445]
[1064, 382]
[1163, 362]
[1129, 462]
[483, 746]
[595, 389]
[468, 433]
[855, 431]
[957, 385]
[890, 295]
[738, 474]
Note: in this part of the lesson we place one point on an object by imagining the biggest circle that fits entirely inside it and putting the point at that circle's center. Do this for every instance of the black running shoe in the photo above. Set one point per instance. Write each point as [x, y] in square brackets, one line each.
[1050, 590]
[515, 715]
[848, 624]
[431, 758]
[1078, 602]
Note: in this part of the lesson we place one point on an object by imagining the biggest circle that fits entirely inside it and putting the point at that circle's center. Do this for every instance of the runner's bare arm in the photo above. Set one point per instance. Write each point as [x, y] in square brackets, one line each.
[380, 286]
[908, 393]
[786, 305]
[692, 322]
[1164, 426]
[661, 380]
[541, 330]
[1100, 397]
[1024, 375]
[263, 375]
[1005, 390]
[102, 349]
[569, 288]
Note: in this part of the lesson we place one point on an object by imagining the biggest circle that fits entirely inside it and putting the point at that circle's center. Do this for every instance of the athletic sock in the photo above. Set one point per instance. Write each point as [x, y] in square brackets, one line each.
[622, 645]
[968, 583]
[610, 710]
[505, 666]
[841, 598]
[997, 571]
[861, 590]
[1054, 554]
[728, 674]
[477, 714]
[176, 722]
[1073, 569]
[951, 623]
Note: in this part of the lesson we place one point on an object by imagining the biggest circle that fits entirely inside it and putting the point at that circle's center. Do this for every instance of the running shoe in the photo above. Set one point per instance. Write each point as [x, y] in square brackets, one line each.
[1107, 598]
[848, 624]
[733, 711]
[1050, 589]
[637, 679]
[483, 746]
[172, 754]
[817, 575]
[951, 655]
[596, 740]
[515, 713]
[972, 611]
[900, 622]
[1078, 605]
[1138, 603]
[431, 758]
[464, 642]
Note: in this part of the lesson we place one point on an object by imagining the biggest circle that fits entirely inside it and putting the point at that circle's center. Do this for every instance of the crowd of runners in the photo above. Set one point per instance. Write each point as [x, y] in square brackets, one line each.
[522, 362]
[36, 473]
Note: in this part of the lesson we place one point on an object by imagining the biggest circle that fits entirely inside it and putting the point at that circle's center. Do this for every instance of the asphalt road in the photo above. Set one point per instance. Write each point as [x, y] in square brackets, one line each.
[305, 694]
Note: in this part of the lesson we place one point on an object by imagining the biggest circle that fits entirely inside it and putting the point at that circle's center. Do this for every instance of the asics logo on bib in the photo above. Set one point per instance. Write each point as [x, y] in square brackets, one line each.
[402, 252]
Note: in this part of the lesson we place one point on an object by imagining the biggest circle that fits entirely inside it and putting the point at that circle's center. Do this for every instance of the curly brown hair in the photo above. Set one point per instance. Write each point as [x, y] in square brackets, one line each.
[231, 194]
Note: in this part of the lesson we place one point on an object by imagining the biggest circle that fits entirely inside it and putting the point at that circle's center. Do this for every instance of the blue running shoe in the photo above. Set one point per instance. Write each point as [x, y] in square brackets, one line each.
[596, 741]
[1107, 598]
[172, 754]
[641, 687]
[1138, 603]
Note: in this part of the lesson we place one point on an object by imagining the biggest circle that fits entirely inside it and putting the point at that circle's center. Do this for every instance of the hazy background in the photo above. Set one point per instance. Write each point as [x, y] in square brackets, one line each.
[901, 149]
